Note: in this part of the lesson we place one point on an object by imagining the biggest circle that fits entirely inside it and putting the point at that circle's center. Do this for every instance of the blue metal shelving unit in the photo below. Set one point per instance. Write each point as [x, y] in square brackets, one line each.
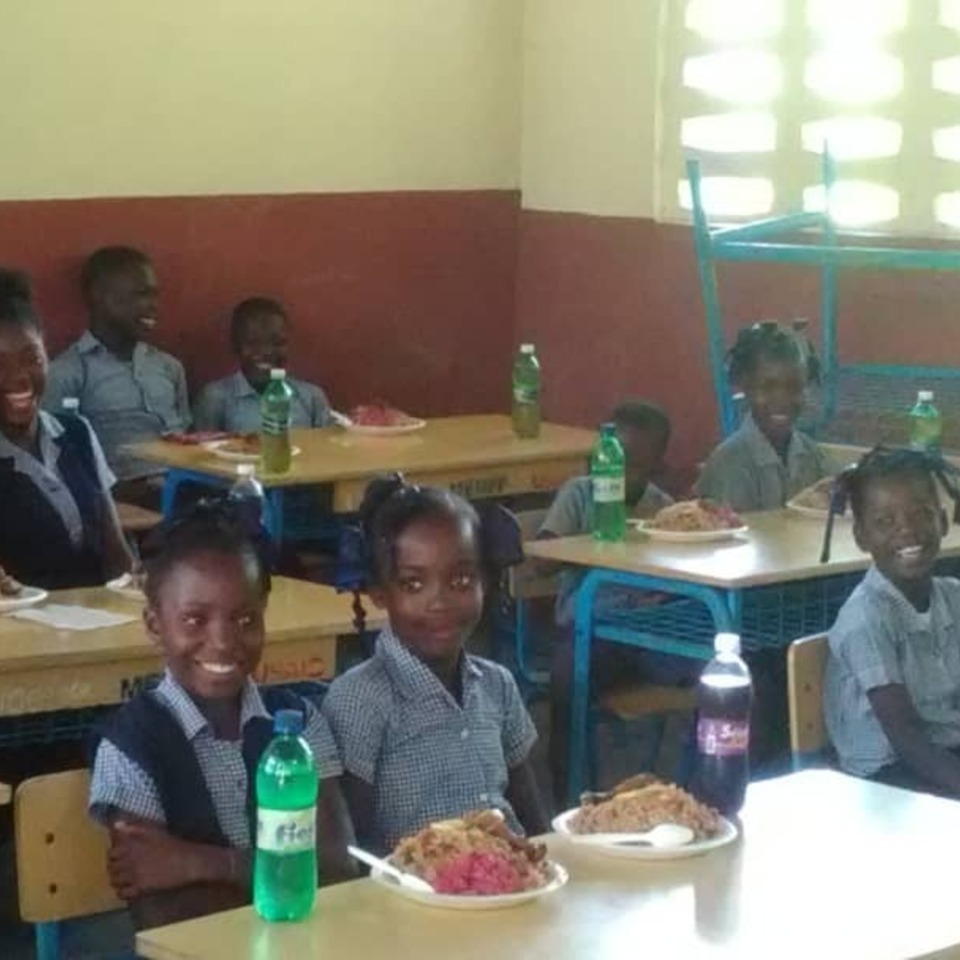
[873, 388]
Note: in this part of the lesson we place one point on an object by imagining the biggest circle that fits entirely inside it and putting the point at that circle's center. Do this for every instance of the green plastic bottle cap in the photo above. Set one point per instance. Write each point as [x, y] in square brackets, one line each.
[925, 396]
[278, 373]
[526, 348]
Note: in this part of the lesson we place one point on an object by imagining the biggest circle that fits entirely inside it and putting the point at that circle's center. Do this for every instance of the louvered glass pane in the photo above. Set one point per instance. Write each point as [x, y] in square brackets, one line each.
[853, 138]
[738, 76]
[730, 196]
[854, 75]
[947, 208]
[741, 131]
[735, 21]
[946, 143]
[843, 20]
[856, 203]
[946, 75]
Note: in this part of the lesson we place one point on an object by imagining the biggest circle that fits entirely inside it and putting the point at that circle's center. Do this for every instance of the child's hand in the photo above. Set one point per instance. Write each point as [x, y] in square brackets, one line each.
[144, 858]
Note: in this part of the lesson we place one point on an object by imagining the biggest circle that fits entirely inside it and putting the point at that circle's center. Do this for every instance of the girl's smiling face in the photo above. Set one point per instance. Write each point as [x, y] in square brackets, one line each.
[774, 391]
[434, 588]
[23, 376]
[207, 617]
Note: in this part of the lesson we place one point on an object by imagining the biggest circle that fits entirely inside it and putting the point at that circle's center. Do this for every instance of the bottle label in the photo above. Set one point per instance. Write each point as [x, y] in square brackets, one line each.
[525, 394]
[286, 831]
[609, 490]
[723, 738]
[275, 425]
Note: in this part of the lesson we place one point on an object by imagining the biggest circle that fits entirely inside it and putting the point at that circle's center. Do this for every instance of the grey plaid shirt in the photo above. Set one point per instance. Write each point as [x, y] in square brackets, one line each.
[746, 473]
[880, 639]
[119, 785]
[427, 757]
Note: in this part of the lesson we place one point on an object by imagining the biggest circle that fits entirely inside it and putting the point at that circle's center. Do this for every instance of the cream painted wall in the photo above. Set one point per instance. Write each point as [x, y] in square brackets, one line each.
[589, 98]
[121, 98]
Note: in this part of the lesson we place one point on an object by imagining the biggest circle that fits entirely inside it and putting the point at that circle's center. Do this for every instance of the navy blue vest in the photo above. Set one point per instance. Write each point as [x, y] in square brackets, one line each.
[146, 732]
[35, 546]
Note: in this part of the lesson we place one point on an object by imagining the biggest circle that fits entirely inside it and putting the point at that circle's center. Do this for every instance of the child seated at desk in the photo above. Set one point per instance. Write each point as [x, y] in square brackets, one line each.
[644, 431]
[892, 682]
[259, 336]
[767, 460]
[58, 521]
[426, 731]
[129, 390]
[175, 769]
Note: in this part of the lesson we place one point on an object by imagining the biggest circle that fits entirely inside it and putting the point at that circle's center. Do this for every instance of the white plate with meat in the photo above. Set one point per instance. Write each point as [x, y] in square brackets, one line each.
[380, 420]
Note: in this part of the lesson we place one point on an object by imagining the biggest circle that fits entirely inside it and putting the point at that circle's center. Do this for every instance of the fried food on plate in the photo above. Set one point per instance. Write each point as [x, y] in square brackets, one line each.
[642, 803]
[475, 855]
[695, 516]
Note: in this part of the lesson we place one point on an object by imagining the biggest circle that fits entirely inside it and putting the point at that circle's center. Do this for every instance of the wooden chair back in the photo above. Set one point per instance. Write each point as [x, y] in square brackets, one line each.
[806, 660]
[61, 853]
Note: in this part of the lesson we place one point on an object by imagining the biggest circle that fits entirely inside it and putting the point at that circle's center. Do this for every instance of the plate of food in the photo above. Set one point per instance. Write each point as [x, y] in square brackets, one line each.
[474, 863]
[244, 448]
[380, 419]
[129, 585]
[693, 521]
[15, 596]
[638, 805]
[814, 501]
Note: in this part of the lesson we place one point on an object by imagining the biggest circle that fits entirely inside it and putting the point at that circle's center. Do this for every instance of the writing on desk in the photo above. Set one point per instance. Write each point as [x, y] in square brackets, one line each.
[131, 686]
[477, 487]
[39, 698]
[303, 668]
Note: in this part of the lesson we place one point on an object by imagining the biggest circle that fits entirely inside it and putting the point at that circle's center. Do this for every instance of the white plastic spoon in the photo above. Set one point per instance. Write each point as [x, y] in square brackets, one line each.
[385, 867]
[663, 836]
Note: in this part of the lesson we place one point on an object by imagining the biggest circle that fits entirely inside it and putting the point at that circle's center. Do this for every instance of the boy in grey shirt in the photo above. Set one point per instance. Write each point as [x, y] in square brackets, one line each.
[129, 390]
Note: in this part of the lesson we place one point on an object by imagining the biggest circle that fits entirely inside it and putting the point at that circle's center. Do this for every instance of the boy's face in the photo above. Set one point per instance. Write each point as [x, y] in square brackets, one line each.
[262, 345]
[775, 393]
[434, 595]
[900, 526]
[23, 376]
[127, 301]
[644, 450]
[207, 619]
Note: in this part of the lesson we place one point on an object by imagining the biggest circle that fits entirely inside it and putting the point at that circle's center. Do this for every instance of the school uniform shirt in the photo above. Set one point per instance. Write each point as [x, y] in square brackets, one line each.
[51, 514]
[120, 785]
[126, 401]
[571, 514]
[879, 639]
[427, 756]
[746, 473]
[232, 404]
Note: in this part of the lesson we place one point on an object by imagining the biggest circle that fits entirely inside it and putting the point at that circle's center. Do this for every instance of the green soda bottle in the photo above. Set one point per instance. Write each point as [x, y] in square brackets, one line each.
[275, 424]
[526, 393]
[607, 473]
[926, 424]
[285, 864]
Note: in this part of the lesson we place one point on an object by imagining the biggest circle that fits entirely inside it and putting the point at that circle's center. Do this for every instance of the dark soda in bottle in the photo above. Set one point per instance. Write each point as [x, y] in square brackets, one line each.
[724, 701]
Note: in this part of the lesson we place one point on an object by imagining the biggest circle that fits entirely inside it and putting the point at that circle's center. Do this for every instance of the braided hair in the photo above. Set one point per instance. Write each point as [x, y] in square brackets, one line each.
[391, 504]
[209, 526]
[16, 300]
[881, 463]
[767, 340]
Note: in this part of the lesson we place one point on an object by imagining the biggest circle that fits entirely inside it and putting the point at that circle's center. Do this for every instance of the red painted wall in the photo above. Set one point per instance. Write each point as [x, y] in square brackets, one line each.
[614, 306]
[405, 296]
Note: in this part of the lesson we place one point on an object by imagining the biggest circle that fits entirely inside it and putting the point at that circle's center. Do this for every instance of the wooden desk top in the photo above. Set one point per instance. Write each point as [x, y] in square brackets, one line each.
[331, 454]
[6, 794]
[828, 867]
[780, 547]
[297, 610]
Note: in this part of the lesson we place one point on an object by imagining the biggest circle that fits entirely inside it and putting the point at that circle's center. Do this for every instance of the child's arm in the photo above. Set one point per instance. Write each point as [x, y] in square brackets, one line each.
[523, 795]
[165, 879]
[905, 731]
[360, 801]
[334, 833]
